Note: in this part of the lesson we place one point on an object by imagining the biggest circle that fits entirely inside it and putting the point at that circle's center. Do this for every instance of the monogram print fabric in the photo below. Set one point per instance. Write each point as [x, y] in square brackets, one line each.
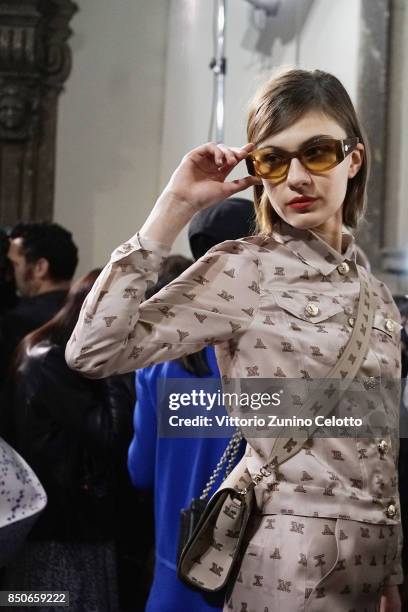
[21, 493]
[281, 306]
[315, 565]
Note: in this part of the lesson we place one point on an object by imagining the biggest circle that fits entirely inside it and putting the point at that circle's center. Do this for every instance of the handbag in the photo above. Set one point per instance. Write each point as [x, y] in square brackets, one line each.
[22, 498]
[212, 557]
[189, 517]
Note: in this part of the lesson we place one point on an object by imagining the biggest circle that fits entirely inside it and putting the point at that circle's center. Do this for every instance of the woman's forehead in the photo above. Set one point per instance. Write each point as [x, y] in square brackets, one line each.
[309, 125]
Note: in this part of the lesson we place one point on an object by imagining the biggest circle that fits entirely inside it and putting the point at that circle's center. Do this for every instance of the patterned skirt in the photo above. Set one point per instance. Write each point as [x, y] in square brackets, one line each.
[298, 563]
[86, 570]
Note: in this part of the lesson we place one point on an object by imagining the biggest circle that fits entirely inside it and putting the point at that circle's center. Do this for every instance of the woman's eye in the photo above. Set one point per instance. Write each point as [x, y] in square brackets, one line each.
[318, 151]
[313, 151]
[271, 159]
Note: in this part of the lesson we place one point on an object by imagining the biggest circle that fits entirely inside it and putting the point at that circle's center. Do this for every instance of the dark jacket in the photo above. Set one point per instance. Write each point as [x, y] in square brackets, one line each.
[74, 433]
[29, 314]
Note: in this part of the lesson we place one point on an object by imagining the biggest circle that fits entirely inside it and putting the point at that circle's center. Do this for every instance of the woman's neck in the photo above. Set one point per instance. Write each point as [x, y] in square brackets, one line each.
[331, 232]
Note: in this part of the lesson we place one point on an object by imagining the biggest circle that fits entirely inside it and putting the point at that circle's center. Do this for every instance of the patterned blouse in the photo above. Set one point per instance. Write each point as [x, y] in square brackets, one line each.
[280, 306]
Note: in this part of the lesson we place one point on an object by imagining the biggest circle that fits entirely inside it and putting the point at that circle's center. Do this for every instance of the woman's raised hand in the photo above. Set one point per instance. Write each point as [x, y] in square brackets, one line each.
[197, 183]
[200, 179]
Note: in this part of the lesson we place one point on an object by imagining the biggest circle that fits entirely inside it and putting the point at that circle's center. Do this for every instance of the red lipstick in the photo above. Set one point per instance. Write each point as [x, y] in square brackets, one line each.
[301, 202]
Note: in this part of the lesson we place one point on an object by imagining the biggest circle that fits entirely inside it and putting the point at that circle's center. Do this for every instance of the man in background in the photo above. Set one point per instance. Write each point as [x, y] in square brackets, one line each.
[44, 258]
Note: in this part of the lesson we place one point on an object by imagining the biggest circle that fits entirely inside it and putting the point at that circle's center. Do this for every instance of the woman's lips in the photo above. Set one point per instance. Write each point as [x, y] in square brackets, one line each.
[301, 204]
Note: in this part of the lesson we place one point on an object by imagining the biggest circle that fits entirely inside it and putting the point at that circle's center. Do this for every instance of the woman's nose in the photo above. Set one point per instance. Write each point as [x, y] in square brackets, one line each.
[297, 174]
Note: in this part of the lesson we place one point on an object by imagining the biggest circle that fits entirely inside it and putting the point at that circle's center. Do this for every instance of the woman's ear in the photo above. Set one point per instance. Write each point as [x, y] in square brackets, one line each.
[356, 157]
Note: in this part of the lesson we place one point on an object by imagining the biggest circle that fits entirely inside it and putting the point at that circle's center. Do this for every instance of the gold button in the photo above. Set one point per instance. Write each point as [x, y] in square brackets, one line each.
[391, 511]
[389, 325]
[343, 268]
[383, 447]
[312, 310]
[351, 321]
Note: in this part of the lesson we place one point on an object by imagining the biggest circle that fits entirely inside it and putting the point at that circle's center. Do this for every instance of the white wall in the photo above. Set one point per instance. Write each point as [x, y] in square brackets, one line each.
[139, 97]
[311, 34]
[110, 120]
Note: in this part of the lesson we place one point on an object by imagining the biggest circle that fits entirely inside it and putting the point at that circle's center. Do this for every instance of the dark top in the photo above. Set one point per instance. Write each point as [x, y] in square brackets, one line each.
[29, 314]
[74, 433]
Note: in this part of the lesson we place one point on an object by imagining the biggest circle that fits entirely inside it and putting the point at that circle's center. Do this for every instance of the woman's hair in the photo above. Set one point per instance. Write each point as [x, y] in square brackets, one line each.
[282, 101]
[59, 329]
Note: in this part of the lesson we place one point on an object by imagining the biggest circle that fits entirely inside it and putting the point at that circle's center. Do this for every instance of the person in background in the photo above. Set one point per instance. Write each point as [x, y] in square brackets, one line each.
[44, 258]
[74, 433]
[7, 284]
[402, 303]
[178, 469]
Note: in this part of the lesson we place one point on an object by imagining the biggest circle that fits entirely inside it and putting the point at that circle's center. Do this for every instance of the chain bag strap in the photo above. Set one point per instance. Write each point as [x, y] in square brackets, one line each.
[189, 517]
[211, 558]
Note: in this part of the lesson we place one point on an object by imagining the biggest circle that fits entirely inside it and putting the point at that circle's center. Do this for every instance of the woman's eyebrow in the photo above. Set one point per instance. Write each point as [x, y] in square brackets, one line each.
[314, 138]
[304, 144]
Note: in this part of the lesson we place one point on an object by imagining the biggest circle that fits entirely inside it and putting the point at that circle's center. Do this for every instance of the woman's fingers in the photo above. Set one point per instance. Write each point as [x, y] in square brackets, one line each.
[208, 150]
[231, 155]
[232, 187]
[223, 156]
[234, 155]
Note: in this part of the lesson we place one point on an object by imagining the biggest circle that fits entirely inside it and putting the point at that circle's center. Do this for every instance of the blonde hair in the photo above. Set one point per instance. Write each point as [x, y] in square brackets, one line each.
[282, 101]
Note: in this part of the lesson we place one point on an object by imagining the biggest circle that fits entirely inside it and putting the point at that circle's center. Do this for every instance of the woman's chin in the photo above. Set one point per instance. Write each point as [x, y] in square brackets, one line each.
[304, 219]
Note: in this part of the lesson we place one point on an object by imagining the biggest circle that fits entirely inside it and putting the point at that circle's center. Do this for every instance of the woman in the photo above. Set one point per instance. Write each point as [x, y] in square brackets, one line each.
[328, 535]
[75, 434]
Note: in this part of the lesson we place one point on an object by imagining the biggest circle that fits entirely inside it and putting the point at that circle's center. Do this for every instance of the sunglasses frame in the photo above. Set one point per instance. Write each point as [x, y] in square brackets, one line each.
[343, 149]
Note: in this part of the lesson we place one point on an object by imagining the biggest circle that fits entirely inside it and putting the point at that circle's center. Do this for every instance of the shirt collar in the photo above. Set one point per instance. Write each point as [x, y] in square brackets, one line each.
[311, 249]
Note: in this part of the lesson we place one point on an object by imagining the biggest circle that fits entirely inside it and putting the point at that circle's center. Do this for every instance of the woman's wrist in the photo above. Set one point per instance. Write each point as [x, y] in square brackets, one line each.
[168, 217]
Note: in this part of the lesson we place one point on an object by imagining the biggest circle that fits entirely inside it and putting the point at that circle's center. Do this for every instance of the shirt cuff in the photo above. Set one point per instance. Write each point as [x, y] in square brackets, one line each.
[149, 249]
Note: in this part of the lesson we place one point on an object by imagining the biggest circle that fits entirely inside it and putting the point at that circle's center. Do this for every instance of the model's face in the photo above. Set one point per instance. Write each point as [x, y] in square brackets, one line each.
[23, 270]
[324, 192]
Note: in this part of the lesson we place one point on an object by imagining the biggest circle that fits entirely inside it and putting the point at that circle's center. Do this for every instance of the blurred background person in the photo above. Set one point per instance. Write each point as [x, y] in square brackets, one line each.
[74, 433]
[44, 258]
[178, 469]
[8, 296]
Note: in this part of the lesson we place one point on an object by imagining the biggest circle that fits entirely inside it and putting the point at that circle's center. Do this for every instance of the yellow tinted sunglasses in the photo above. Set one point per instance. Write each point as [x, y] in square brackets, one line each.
[317, 156]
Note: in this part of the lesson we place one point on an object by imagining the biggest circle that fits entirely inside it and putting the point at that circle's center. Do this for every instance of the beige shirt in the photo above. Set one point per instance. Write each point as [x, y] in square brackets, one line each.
[275, 307]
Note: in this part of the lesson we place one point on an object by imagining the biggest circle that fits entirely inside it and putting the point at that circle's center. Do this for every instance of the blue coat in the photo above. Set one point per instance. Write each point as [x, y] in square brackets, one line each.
[177, 469]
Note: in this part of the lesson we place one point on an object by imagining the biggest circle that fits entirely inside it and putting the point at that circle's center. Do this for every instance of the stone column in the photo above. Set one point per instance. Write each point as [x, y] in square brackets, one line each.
[372, 108]
[35, 61]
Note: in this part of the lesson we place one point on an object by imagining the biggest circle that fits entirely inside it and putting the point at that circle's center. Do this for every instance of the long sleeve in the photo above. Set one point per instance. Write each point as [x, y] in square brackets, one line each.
[117, 332]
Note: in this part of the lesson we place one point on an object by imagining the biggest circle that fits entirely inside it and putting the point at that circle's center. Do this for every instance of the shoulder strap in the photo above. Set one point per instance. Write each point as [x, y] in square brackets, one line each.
[228, 457]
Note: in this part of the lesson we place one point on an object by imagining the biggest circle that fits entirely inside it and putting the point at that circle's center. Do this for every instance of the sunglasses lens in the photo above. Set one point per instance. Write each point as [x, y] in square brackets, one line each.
[320, 157]
[270, 166]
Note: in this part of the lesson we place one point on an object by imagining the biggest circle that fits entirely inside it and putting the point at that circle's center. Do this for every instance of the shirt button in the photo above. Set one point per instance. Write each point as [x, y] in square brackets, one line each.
[351, 321]
[391, 511]
[389, 325]
[343, 268]
[312, 310]
[348, 310]
[383, 447]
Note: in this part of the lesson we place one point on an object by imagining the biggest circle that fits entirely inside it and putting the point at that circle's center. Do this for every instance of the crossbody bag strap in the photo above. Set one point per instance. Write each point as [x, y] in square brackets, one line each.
[327, 396]
[227, 459]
